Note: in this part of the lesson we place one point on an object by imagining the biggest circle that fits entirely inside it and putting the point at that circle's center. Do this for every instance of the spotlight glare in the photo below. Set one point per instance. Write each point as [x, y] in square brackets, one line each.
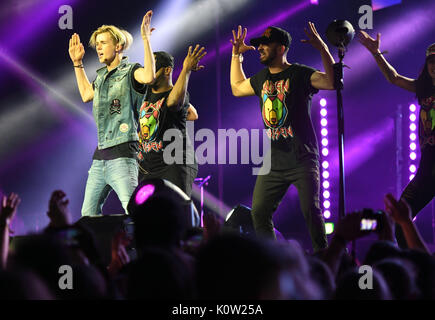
[412, 108]
[144, 193]
[327, 214]
[324, 142]
[412, 146]
[413, 136]
[326, 204]
[413, 156]
[413, 127]
[329, 227]
[324, 132]
[326, 194]
[325, 151]
[412, 168]
[325, 174]
[326, 184]
[411, 177]
[325, 164]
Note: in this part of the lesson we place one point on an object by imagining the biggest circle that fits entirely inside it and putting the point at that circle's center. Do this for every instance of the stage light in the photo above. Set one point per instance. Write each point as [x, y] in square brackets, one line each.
[325, 184]
[326, 204]
[413, 156]
[329, 227]
[325, 164]
[315, 2]
[326, 194]
[324, 142]
[413, 127]
[380, 4]
[323, 102]
[325, 152]
[412, 168]
[413, 136]
[412, 117]
[323, 122]
[324, 132]
[412, 108]
[327, 214]
[412, 146]
[323, 112]
[144, 193]
[411, 177]
[325, 174]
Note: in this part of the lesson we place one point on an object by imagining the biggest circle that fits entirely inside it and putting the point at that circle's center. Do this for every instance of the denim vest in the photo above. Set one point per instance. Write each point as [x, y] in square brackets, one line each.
[115, 105]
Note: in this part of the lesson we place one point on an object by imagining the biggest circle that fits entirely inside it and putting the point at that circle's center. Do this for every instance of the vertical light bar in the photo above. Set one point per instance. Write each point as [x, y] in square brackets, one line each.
[324, 168]
[413, 136]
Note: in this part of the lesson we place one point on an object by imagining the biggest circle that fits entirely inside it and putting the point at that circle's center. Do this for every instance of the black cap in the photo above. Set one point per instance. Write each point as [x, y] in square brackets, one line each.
[163, 59]
[273, 34]
[430, 51]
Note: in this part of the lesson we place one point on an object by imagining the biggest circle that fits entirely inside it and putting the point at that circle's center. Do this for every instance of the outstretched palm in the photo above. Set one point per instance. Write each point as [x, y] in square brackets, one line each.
[238, 41]
[76, 49]
[371, 44]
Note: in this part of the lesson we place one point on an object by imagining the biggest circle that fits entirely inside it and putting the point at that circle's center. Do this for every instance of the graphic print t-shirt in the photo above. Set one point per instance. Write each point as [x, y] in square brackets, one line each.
[285, 105]
[426, 130]
[155, 118]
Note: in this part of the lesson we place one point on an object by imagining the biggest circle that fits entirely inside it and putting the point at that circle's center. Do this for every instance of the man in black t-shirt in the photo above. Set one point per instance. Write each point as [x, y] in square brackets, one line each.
[285, 91]
[164, 111]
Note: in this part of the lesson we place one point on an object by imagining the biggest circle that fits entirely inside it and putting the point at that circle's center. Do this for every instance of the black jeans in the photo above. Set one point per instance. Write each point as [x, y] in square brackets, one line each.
[419, 192]
[271, 188]
[180, 175]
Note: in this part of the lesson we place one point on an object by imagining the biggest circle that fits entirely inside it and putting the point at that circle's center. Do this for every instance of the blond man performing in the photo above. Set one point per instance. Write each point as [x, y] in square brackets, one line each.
[116, 92]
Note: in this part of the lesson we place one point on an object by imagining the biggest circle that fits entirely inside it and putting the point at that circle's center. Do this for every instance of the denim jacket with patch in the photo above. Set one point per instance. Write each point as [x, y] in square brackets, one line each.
[115, 105]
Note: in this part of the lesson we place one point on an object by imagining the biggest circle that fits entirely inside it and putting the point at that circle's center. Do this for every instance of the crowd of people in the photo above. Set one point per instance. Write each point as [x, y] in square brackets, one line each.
[211, 263]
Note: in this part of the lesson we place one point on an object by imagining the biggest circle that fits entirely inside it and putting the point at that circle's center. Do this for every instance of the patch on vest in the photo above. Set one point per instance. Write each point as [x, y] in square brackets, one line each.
[123, 127]
[115, 106]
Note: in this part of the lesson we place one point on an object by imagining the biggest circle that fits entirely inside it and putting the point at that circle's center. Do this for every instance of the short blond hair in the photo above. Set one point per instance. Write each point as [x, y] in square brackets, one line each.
[119, 36]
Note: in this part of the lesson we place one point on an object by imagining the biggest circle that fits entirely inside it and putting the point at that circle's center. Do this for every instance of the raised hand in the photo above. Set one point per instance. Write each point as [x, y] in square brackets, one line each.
[58, 211]
[145, 29]
[313, 37]
[193, 57]
[371, 44]
[120, 256]
[349, 228]
[9, 207]
[238, 41]
[76, 49]
[400, 211]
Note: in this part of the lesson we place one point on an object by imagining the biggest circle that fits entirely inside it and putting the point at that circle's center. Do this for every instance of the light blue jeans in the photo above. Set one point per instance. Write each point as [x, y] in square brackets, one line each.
[119, 174]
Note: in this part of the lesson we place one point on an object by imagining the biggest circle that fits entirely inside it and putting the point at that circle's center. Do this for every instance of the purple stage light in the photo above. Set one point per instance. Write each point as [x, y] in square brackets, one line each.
[412, 136]
[325, 184]
[325, 174]
[326, 204]
[325, 151]
[324, 142]
[412, 117]
[325, 164]
[316, 2]
[144, 193]
[412, 168]
[324, 132]
[412, 146]
[412, 127]
[326, 194]
[323, 122]
[413, 156]
[327, 214]
[323, 102]
[380, 4]
[323, 112]
[411, 177]
[412, 108]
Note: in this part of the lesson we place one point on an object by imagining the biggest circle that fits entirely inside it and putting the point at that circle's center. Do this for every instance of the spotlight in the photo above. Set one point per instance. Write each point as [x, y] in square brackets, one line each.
[239, 219]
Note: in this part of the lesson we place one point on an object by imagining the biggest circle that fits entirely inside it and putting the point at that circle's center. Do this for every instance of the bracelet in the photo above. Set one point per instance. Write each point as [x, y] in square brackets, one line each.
[238, 55]
[79, 66]
[379, 53]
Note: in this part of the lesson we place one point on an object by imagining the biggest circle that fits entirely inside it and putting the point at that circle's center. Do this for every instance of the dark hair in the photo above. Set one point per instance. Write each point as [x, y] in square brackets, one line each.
[424, 86]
